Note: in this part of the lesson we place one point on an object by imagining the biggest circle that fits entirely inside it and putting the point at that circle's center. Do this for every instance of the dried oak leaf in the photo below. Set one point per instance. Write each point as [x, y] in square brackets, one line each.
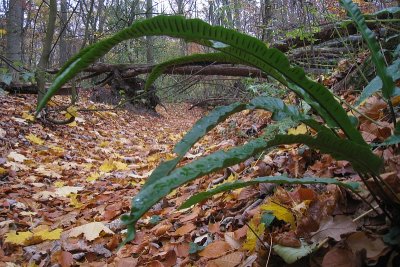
[334, 227]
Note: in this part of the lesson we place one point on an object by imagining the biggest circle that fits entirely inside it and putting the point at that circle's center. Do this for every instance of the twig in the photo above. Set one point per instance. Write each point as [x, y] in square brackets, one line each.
[270, 250]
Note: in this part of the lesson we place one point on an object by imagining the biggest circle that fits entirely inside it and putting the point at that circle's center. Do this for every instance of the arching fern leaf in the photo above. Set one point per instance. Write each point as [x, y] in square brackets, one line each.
[235, 44]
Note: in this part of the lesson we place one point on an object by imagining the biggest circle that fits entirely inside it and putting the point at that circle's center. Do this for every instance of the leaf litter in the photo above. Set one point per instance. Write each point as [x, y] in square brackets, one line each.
[64, 188]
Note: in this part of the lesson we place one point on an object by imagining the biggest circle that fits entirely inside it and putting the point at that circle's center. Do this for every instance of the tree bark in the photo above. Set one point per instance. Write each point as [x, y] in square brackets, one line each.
[149, 39]
[63, 53]
[44, 58]
[87, 21]
[14, 33]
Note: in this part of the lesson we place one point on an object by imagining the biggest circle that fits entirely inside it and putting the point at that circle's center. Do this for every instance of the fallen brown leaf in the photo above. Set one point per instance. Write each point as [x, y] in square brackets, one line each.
[334, 227]
[215, 249]
[229, 260]
[339, 257]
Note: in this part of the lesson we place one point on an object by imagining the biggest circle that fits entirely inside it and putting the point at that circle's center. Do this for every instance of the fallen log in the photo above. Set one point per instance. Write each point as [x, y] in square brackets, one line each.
[30, 88]
[132, 70]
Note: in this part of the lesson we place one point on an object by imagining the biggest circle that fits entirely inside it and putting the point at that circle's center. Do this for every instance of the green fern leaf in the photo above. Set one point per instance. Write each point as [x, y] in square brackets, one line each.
[210, 58]
[273, 179]
[243, 47]
[370, 38]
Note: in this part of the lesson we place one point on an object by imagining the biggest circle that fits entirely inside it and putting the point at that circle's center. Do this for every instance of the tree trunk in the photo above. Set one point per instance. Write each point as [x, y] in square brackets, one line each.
[149, 39]
[266, 15]
[44, 58]
[237, 18]
[87, 22]
[14, 33]
[63, 56]
[181, 11]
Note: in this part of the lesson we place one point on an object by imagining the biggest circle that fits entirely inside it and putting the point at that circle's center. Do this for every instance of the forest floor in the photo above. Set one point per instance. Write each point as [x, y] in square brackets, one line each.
[63, 189]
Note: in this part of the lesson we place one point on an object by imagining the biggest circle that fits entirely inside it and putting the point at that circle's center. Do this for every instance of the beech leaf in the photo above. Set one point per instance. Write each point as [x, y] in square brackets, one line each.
[215, 249]
[334, 227]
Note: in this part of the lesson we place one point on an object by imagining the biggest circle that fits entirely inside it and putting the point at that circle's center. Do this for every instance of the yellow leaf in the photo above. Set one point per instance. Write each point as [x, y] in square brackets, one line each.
[107, 166]
[72, 124]
[73, 198]
[233, 177]
[169, 156]
[104, 144]
[153, 158]
[2, 171]
[34, 139]
[172, 194]
[17, 238]
[73, 111]
[57, 149]
[93, 177]
[87, 166]
[27, 116]
[251, 238]
[120, 166]
[280, 212]
[59, 184]
[396, 100]
[301, 129]
[45, 234]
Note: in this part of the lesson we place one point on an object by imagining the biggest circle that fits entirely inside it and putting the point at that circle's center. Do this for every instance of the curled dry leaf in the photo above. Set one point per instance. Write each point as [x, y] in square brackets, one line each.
[161, 229]
[287, 239]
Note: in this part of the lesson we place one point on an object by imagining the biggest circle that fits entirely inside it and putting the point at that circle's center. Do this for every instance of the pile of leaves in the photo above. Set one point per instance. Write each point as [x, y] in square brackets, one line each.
[63, 189]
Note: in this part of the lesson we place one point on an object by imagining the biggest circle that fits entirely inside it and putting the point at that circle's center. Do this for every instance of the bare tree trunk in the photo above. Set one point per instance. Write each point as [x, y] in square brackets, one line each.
[87, 21]
[228, 13]
[180, 11]
[237, 19]
[14, 33]
[44, 58]
[266, 15]
[149, 39]
[211, 14]
[63, 56]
